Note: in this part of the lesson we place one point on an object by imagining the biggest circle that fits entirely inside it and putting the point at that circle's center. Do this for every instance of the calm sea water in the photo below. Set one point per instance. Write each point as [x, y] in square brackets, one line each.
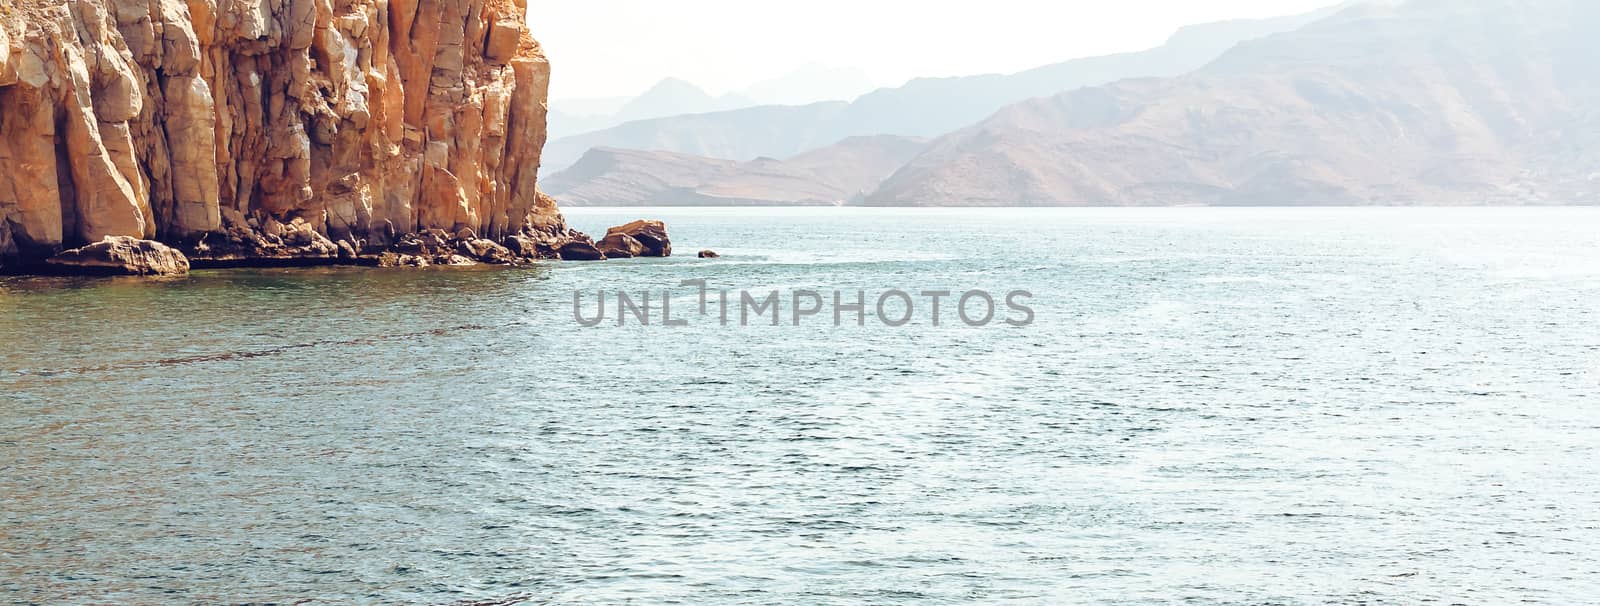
[1214, 406]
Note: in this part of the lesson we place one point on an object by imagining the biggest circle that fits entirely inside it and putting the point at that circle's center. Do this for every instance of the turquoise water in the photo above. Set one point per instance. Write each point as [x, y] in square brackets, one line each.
[1220, 406]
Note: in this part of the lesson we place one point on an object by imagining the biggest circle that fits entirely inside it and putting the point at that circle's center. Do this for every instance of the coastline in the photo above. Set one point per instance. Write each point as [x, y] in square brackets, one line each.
[245, 248]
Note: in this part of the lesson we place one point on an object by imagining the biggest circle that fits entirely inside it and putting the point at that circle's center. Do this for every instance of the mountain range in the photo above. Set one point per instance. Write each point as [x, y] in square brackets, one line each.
[677, 97]
[925, 107]
[1427, 102]
[669, 97]
[1408, 103]
[837, 174]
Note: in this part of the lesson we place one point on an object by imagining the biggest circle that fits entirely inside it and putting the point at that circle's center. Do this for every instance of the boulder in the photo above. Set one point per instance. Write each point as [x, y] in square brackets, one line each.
[620, 246]
[410, 244]
[521, 246]
[391, 259]
[231, 217]
[709, 254]
[435, 238]
[486, 251]
[651, 234]
[580, 250]
[122, 255]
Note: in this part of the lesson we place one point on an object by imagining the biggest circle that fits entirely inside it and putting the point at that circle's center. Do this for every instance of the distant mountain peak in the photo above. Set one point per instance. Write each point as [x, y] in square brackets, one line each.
[674, 86]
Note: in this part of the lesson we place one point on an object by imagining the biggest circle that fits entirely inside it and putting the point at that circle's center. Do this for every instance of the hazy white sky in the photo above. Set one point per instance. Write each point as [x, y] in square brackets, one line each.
[620, 47]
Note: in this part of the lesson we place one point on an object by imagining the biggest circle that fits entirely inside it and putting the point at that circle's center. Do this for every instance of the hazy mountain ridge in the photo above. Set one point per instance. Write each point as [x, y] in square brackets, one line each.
[676, 97]
[1424, 103]
[753, 131]
[835, 174]
[926, 107]
[669, 97]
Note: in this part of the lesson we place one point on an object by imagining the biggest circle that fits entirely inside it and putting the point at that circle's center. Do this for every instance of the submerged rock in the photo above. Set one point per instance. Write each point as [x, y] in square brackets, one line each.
[122, 255]
[709, 254]
[652, 235]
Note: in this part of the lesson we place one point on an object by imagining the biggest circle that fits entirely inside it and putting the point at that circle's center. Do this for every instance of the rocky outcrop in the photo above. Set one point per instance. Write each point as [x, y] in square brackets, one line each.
[636, 239]
[270, 128]
[620, 246]
[651, 235]
[435, 247]
[122, 255]
[580, 250]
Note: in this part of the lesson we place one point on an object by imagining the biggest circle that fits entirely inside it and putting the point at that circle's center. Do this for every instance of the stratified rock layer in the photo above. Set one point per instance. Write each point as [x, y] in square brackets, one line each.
[202, 123]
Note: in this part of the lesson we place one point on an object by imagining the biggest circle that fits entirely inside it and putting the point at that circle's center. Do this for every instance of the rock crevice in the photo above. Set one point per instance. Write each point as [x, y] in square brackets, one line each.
[213, 124]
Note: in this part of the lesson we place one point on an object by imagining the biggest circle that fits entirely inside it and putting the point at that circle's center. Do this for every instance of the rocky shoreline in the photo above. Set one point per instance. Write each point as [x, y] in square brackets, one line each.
[303, 247]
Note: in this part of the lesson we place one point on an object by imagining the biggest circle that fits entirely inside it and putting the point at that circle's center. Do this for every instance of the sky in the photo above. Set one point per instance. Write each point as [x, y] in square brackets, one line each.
[607, 48]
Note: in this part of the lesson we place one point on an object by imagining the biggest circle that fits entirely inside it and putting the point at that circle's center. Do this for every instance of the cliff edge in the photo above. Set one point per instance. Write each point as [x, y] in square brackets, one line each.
[269, 128]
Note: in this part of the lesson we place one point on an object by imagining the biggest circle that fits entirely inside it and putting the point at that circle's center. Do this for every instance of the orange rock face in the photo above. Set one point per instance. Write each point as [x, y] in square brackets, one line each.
[186, 120]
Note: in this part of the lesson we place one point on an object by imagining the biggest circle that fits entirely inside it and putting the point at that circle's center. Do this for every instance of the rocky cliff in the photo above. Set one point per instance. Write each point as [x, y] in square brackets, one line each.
[268, 127]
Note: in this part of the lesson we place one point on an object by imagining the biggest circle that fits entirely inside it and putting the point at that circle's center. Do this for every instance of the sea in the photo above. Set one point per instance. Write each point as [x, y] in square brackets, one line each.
[1110, 406]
